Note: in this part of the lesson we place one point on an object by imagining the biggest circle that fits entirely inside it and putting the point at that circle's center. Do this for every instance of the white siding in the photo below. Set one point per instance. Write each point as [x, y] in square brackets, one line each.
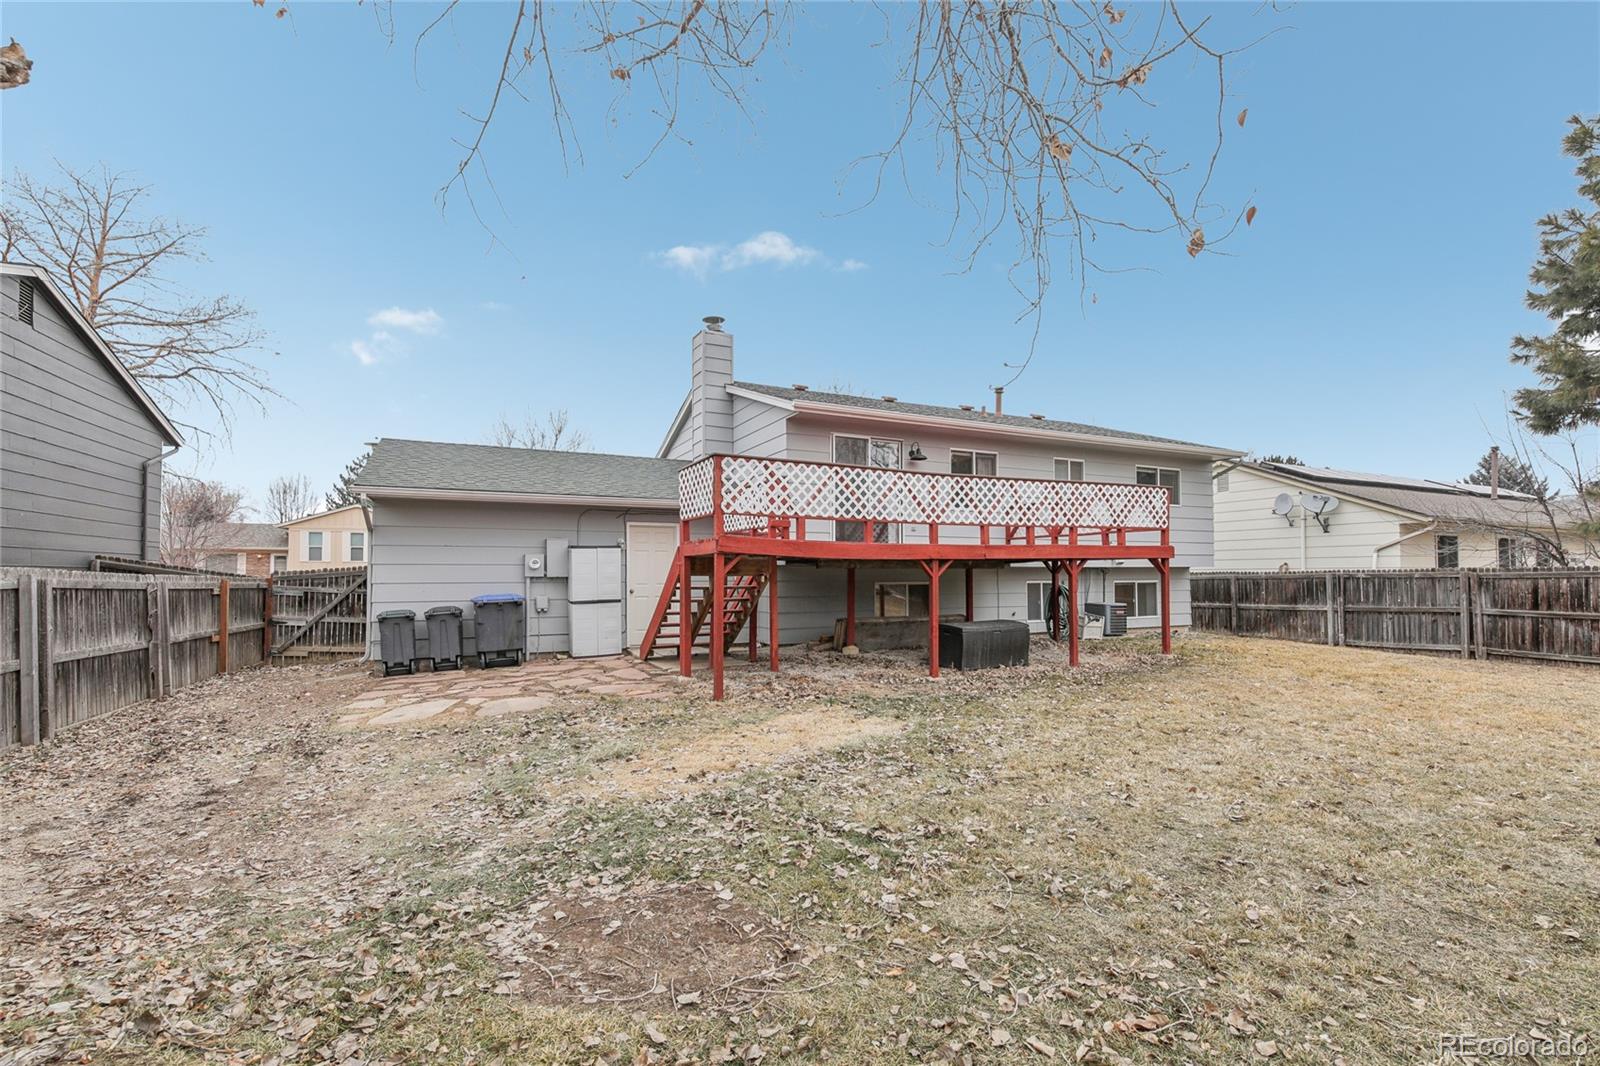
[1250, 537]
[758, 428]
[427, 553]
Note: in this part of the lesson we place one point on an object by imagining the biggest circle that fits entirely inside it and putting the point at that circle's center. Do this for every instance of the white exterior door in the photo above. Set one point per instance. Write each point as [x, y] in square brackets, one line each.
[651, 547]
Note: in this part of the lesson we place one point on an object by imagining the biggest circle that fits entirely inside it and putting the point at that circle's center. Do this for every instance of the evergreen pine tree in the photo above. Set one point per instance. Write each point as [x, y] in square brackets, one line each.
[342, 494]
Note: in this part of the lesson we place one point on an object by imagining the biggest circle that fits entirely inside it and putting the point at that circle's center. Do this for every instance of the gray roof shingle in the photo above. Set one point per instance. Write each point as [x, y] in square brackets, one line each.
[431, 465]
[260, 536]
[1444, 501]
[842, 399]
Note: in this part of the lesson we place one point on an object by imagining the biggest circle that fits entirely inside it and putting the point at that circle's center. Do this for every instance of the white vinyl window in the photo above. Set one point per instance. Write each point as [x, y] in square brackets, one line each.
[866, 451]
[900, 599]
[1038, 601]
[983, 464]
[314, 547]
[1164, 476]
[280, 563]
[1141, 598]
[1069, 469]
[358, 547]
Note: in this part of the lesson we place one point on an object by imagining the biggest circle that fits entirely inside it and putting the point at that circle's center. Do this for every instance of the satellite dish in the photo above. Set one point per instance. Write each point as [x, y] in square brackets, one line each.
[1318, 506]
[1283, 507]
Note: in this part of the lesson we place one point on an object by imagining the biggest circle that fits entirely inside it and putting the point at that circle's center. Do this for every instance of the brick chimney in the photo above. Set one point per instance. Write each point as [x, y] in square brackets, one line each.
[710, 374]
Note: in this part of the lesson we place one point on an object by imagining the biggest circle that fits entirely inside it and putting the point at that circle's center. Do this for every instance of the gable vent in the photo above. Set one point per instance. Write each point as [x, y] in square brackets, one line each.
[25, 301]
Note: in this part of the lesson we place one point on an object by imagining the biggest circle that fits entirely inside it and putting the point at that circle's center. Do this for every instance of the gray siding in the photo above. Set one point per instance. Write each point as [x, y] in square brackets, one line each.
[759, 428]
[710, 406]
[431, 552]
[811, 599]
[73, 444]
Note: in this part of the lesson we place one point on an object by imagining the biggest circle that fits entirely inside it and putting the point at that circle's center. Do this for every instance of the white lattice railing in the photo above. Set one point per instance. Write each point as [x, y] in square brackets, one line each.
[754, 491]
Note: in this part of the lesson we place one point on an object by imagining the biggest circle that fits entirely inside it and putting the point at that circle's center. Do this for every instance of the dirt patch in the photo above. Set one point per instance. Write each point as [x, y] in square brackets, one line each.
[672, 945]
[706, 760]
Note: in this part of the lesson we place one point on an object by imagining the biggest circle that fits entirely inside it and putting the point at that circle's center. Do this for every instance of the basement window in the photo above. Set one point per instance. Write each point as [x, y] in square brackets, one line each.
[900, 599]
[1139, 597]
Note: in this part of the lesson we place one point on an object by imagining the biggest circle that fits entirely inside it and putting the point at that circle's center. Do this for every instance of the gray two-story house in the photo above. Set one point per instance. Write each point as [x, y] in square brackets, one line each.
[455, 521]
[81, 444]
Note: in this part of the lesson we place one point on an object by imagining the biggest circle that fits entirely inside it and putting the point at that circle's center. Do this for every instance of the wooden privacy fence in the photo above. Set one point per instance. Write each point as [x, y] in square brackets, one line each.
[78, 644]
[1549, 615]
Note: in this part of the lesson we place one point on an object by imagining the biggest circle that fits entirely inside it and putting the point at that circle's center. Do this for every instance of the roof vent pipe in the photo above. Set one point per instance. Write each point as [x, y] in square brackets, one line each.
[713, 323]
[999, 390]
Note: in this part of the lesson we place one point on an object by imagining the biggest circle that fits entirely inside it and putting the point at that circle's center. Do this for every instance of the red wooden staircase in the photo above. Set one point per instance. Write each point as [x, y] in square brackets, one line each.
[742, 588]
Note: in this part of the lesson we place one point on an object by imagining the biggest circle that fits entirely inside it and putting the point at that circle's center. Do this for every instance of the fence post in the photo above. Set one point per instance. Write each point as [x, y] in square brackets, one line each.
[152, 618]
[266, 622]
[1466, 614]
[1327, 585]
[222, 626]
[164, 621]
[1477, 619]
[44, 608]
[1233, 604]
[28, 654]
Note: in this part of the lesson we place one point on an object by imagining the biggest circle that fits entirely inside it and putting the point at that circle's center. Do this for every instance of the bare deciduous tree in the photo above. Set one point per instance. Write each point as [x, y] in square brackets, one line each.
[554, 432]
[1034, 111]
[289, 497]
[193, 513]
[89, 230]
[1560, 528]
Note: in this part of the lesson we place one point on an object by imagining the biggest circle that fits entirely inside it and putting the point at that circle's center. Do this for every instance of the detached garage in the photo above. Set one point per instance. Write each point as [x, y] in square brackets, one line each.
[587, 539]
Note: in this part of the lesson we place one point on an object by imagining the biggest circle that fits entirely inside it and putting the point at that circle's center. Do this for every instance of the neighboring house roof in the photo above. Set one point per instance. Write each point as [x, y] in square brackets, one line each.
[1423, 500]
[419, 468]
[247, 536]
[97, 344]
[812, 400]
[319, 514]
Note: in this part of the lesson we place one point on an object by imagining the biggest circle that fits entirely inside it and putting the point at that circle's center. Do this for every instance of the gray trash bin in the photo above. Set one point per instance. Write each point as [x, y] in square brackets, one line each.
[444, 637]
[397, 641]
[499, 627]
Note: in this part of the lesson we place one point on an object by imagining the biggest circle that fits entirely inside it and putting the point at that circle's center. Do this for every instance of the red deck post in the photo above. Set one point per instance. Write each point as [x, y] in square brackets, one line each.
[850, 605]
[969, 593]
[1073, 570]
[772, 611]
[1055, 602]
[933, 618]
[755, 616]
[719, 576]
[685, 651]
[1165, 567]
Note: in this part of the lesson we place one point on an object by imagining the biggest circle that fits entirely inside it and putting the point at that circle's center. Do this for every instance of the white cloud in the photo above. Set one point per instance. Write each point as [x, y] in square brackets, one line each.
[425, 321]
[382, 343]
[693, 259]
[769, 248]
[364, 352]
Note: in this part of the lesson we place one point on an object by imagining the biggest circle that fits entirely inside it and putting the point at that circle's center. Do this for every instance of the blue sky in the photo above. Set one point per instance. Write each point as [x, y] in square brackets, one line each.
[1399, 156]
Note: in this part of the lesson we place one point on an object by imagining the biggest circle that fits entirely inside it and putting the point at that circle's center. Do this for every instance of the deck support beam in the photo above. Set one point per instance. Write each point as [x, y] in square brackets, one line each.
[1164, 568]
[969, 592]
[849, 606]
[935, 570]
[719, 578]
[772, 612]
[1074, 569]
[684, 587]
[1055, 602]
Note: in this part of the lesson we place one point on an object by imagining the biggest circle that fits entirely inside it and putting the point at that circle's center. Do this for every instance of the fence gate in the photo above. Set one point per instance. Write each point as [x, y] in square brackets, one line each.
[319, 614]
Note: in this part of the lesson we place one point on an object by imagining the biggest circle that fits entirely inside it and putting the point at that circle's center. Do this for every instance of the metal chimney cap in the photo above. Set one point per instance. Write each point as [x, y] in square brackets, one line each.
[714, 323]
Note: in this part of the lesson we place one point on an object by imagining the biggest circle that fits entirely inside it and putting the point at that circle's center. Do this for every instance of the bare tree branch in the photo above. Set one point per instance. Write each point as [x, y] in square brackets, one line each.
[552, 433]
[193, 514]
[86, 229]
[289, 497]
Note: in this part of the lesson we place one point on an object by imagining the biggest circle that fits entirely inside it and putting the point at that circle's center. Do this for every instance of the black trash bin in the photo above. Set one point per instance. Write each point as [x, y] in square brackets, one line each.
[499, 628]
[397, 641]
[981, 645]
[444, 636]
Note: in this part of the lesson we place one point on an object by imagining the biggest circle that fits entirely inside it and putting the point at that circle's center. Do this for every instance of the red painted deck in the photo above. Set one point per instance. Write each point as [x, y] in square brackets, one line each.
[739, 512]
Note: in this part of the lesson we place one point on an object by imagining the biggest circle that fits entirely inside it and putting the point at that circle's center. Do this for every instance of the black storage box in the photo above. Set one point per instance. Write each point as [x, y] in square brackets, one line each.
[981, 645]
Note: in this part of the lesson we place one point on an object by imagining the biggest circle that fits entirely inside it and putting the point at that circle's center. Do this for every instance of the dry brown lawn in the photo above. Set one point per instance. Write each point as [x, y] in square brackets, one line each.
[1253, 851]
